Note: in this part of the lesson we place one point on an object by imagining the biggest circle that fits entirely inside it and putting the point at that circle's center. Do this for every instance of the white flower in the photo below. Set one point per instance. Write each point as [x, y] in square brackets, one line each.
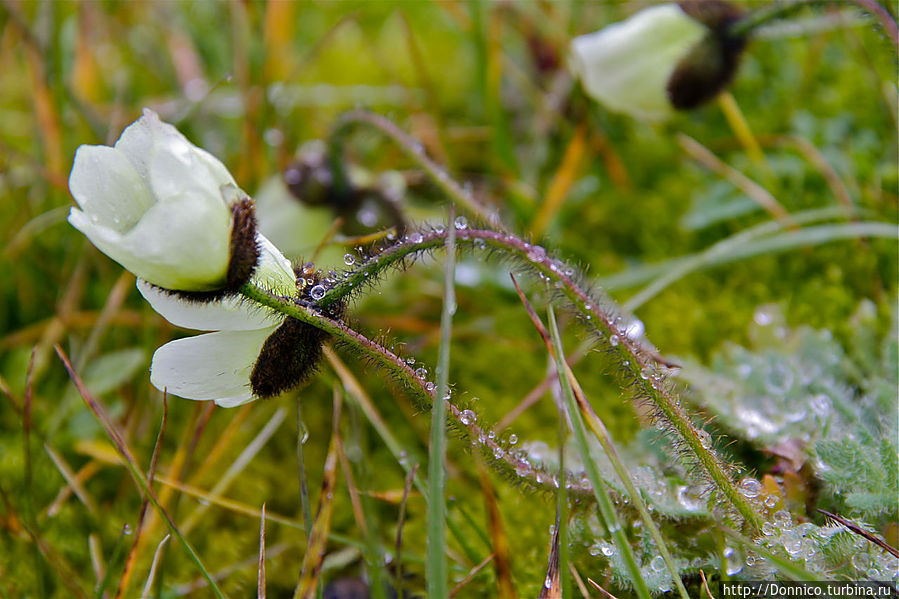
[156, 204]
[627, 65]
[217, 366]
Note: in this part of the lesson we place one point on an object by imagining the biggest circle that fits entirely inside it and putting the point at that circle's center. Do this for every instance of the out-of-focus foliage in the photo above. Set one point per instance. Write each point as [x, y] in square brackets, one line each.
[486, 89]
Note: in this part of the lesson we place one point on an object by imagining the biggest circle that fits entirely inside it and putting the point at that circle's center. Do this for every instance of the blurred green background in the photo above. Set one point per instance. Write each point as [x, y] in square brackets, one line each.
[486, 88]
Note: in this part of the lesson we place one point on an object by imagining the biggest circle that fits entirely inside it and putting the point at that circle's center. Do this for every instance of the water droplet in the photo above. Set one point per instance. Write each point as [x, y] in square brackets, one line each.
[513, 439]
[548, 583]
[308, 268]
[634, 329]
[614, 340]
[349, 259]
[439, 229]
[783, 519]
[536, 253]
[705, 439]
[657, 564]
[606, 549]
[429, 386]
[821, 404]
[468, 417]
[317, 292]
[416, 238]
[498, 452]
[768, 529]
[461, 222]
[594, 550]
[750, 488]
[771, 501]
[792, 542]
[126, 530]
[421, 372]
[779, 380]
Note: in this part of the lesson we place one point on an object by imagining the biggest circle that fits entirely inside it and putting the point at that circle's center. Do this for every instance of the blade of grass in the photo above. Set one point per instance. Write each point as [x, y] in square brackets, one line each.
[471, 574]
[606, 508]
[131, 559]
[152, 575]
[737, 248]
[371, 552]
[315, 544]
[302, 436]
[401, 519]
[561, 181]
[436, 568]
[498, 539]
[245, 457]
[260, 571]
[133, 468]
[605, 441]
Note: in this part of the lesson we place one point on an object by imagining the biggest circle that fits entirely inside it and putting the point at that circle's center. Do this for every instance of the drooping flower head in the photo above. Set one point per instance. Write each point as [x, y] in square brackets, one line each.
[666, 57]
[171, 213]
[165, 209]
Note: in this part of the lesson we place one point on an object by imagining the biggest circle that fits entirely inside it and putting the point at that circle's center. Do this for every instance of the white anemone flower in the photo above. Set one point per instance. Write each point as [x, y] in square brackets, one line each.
[157, 205]
[626, 66]
[217, 366]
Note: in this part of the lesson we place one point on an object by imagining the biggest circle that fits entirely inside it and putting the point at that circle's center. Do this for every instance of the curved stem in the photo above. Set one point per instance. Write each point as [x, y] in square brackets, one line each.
[423, 393]
[638, 368]
[413, 149]
[772, 12]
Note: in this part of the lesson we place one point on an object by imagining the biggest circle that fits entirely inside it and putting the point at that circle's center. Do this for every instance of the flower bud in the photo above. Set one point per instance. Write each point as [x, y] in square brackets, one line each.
[164, 209]
[662, 58]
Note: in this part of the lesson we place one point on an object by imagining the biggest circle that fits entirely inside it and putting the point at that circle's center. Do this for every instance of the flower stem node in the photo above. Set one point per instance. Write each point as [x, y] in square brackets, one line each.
[166, 210]
[666, 57]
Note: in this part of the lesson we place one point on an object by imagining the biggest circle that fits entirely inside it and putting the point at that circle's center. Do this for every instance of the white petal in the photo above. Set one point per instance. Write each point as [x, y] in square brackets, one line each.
[214, 366]
[626, 65]
[177, 168]
[136, 140]
[108, 188]
[184, 246]
[229, 314]
[273, 271]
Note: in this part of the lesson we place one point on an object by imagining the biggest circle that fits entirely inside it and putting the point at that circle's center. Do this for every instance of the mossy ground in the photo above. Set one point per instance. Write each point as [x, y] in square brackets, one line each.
[468, 81]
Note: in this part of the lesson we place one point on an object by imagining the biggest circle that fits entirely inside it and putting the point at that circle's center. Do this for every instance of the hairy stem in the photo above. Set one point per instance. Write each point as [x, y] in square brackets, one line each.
[644, 371]
[413, 149]
[782, 10]
[422, 392]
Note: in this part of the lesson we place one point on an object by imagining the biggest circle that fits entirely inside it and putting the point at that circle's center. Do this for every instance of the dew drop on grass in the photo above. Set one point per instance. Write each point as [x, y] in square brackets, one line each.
[705, 439]
[349, 259]
[750, 488]
[513, 439]
[771, 501]
[461, 223]
[536, 253]
[468, 417]
[416, 238]
[317, 292]
[614, 340]
[821, 404]
[657, 564]
[769, 529]
[606, 549]
[429, 386]
[421, 372]
[498, 452]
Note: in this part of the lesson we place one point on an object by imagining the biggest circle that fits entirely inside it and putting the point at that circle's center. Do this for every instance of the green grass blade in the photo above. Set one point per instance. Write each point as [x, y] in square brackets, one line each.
[436, 568]
[606, 509]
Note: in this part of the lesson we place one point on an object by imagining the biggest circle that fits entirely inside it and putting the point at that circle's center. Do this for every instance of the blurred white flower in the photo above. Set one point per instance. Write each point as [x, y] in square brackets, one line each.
[217, 366]
[627, 65]
[156, 204]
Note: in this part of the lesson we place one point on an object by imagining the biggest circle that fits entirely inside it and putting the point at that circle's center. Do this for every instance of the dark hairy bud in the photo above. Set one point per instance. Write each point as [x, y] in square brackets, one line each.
[711, 64]
[291, 355]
